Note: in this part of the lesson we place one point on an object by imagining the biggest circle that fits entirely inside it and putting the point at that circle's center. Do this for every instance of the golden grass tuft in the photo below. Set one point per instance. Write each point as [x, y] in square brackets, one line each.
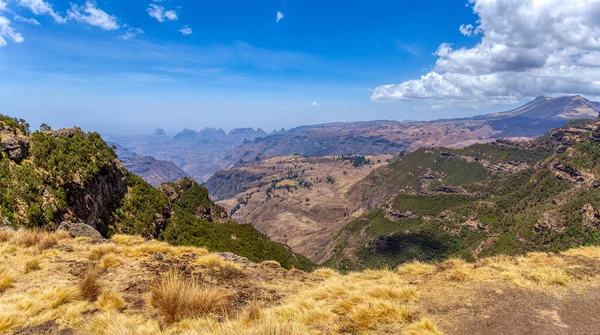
[89, 286]
[367, 315]
[422, 327]
[63, 295]
[6, 279]
[111, 301]
[416, 269]
[176, 297]
[325, 272]
[127, 239]
[270, 324]
[96, 252]
[36, 237]
[393, 293]
[209, 261]
[8, 322]
[5, 235]
[32, 265]
[548, 276]
[110, 261]
[112, 324]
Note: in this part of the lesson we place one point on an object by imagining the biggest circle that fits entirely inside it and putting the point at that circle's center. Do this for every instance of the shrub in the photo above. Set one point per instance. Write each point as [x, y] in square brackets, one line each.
[89, 286]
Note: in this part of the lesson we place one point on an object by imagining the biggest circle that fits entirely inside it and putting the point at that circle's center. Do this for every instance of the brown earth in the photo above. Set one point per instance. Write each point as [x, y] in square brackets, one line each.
[304, 209]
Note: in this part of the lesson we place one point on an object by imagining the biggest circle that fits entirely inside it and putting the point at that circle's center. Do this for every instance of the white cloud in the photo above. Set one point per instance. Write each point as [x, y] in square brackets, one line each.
[41, 7]
[93, 16]
[2, 5]
[186, 30]
[160, 14]
[466, 29]
[315, 104]
[27, 20]
[279, 16]
[527, 48]
[131, 32]
[8, 32]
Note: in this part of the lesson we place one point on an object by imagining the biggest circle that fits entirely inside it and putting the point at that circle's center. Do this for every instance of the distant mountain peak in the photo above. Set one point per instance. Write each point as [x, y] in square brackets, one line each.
[159, 132]
[548, 108]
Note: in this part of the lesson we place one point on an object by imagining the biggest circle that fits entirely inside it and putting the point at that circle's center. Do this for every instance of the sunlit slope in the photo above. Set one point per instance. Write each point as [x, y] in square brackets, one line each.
[53, 284]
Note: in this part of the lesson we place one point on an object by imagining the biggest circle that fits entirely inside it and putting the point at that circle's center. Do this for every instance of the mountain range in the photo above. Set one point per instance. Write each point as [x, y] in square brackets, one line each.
[333, 210]
[200, 154]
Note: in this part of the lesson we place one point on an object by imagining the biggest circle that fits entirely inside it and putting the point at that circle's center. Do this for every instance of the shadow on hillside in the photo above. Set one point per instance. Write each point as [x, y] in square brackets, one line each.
[408, 246]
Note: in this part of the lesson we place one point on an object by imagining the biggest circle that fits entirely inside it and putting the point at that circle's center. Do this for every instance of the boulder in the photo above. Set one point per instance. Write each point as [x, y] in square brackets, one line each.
[230, 256]
[80, 230]
[15, 147]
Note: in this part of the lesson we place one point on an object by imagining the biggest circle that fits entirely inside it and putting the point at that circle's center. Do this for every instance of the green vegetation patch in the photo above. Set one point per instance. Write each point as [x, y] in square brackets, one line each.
[241, 239]
[430, 205]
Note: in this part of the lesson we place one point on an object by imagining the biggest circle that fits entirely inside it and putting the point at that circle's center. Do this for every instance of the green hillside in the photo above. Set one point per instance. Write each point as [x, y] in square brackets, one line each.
[549, 201]
[47, 177]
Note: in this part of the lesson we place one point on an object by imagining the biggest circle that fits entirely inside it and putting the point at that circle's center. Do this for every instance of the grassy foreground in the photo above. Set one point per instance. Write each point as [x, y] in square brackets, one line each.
[51, 284]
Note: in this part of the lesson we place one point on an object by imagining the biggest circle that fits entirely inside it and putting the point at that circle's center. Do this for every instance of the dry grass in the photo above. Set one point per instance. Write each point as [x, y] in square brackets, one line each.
[422, 327]
[110, 261]
[63, 295]
[8, 321]
[5, 235]
[111, 301]
[127, 239]
[6, 279]
[89, 286]
[325, 272]
[416, 269]
[32, 265]
[209, 261]
[155, 247]
[266, 299]
[36, 237]
[98, 251]
[176, 297]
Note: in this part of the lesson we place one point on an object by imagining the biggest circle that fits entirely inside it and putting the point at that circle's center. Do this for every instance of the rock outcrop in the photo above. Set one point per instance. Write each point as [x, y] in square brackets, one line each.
[80, 230]
[95, 201]
[15, 146]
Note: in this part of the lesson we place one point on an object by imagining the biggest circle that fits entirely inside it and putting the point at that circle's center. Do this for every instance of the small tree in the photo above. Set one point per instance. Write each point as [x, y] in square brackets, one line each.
[45, 127]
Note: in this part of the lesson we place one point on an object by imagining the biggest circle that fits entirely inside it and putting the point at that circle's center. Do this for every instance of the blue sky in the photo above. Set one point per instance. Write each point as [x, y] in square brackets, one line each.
[112, 66]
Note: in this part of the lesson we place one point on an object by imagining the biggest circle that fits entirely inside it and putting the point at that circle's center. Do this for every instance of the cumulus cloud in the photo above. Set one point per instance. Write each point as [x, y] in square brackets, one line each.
[8, 32]
[315, 104]
[279, 16]
[186, 30]
[131, 32]
[527, 48]
[2, 5]
[160, 14]
[41, 7]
